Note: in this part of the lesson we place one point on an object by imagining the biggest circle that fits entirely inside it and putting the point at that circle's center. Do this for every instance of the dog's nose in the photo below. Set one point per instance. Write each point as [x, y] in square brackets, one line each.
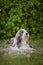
[27, 33]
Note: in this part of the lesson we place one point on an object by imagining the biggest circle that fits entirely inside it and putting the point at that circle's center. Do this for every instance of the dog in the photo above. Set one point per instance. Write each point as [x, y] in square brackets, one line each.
[21, 38]
[19, 43]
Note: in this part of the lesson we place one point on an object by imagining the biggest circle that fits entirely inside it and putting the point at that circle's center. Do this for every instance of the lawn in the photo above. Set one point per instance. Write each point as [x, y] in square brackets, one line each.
[23, 59]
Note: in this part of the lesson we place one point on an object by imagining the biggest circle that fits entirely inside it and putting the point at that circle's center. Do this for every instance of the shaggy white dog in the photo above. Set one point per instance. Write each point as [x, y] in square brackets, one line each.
[19, 42]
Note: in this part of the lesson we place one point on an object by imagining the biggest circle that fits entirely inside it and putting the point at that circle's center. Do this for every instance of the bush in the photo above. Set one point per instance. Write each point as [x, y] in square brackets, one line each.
[27, 14]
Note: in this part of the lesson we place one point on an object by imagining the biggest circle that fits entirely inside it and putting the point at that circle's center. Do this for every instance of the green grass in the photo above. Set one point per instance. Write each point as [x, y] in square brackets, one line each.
[21, 59]
[37, 42]
[24, 59]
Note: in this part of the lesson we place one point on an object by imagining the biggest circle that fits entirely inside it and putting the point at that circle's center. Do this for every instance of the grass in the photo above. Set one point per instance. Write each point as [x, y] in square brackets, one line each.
[24, 59]
[37, 42]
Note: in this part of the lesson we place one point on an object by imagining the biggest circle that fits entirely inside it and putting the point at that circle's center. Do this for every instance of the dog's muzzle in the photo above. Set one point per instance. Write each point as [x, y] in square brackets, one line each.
[25, 37]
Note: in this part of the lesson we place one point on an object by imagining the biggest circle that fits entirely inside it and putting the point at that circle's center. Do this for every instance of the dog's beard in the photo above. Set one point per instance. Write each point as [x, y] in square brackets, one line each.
[25, 38]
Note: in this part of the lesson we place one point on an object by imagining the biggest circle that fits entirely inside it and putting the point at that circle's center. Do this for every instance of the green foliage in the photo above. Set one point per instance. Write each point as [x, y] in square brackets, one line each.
[27, 14]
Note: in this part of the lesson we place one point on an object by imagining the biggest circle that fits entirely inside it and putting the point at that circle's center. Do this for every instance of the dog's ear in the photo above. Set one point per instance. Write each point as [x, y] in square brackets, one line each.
[19, 36]
[19, 39]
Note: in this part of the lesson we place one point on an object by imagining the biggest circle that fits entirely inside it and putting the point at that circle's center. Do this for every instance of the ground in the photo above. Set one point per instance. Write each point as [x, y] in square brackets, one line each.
[24, 59]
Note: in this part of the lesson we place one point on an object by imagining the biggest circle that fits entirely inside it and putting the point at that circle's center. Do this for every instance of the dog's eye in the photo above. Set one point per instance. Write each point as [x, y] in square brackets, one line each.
[21, 31]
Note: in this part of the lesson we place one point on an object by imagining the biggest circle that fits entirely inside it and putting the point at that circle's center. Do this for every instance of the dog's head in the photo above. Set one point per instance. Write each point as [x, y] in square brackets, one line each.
[22, 36]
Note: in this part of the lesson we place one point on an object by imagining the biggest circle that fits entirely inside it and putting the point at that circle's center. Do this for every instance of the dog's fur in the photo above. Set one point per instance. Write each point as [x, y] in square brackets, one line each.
[20, 39]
